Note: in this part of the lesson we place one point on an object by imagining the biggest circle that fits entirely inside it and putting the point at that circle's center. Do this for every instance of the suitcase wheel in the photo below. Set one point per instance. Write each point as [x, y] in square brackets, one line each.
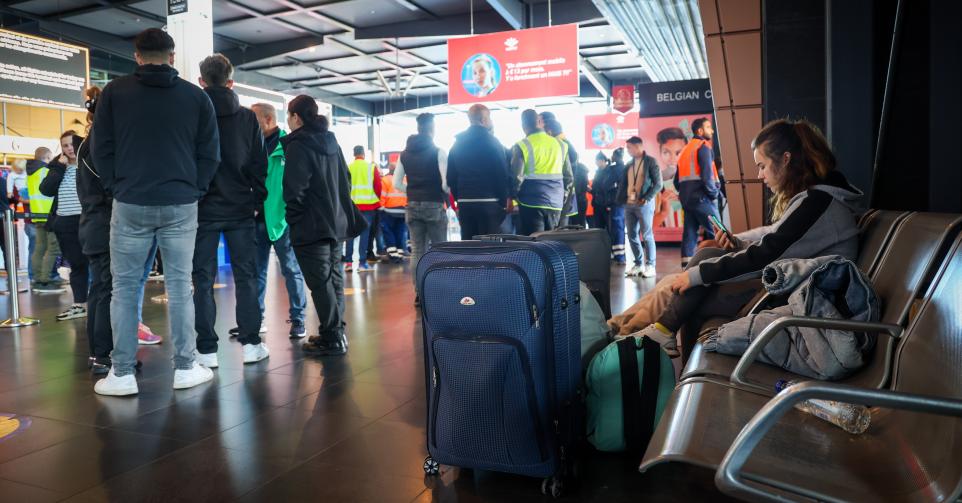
[552, 486]
[431, 467]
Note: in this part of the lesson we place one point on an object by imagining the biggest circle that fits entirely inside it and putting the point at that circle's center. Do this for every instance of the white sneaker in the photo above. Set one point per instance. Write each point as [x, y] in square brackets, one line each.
[648, 271]
[254, 353]
[209, 360]
[116, 386]
[198, 374]
[634, 271]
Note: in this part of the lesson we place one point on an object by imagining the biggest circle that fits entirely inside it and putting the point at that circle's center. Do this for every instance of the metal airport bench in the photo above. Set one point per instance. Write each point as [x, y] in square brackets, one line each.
[911, 452]
[707, 409]
[908, 260]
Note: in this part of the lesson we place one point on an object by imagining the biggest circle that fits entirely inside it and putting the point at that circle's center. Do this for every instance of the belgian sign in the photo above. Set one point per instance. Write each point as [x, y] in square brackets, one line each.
[40, 71]
[514, 65]
[682, 97]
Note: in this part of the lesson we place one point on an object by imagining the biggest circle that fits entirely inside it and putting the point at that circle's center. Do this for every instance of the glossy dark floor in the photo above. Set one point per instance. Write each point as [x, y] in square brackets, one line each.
[288, 428]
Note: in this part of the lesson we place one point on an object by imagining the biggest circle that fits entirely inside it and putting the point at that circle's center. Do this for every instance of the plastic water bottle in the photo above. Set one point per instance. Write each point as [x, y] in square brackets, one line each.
[852, 418]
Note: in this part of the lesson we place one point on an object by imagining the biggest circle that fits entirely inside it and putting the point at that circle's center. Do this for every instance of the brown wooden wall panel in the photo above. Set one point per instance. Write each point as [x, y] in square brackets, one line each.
[748, 122]
[727, 141]
[709, 17]
[743, 58]
[740, 15]
[736, 206]
[733, 40]
[717, 73]
[754, 197]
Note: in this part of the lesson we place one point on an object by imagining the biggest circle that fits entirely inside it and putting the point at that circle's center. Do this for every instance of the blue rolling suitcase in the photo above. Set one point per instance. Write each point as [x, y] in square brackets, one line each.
[502, 342]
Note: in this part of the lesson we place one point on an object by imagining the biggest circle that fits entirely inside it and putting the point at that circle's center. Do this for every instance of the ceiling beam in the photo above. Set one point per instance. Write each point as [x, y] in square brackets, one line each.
[511, 10]
[599, 81]
[252, 54]
[89, 9]
[486, 21]
[260, 80]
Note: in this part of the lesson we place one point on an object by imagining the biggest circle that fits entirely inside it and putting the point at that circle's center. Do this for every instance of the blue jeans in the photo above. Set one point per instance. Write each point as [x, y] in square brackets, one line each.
[148, 266]
[696, 214]
[616, 230]
[31, 231]
[427, 223]
[133, 230]
[363, 238]
[641, 217]
[293, 278]
[395, 231]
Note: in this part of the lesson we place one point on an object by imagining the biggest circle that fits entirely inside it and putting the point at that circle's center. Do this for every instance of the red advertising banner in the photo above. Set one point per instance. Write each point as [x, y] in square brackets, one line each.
[609, 131]
[623, 98]
[514, 65]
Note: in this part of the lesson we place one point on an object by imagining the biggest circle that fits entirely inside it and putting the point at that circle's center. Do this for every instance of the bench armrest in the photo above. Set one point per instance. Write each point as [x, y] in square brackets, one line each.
[728, 477]
[755, 348]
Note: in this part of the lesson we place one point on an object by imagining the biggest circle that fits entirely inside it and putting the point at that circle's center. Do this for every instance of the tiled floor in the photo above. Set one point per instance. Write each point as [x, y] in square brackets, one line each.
[289, 428]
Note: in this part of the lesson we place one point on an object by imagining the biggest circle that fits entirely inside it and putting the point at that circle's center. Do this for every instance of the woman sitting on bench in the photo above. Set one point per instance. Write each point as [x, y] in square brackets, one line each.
[814, 214]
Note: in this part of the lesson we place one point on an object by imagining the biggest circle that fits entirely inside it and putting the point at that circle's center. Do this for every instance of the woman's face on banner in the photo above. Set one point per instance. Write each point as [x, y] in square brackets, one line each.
[480, 74]
[670, 151]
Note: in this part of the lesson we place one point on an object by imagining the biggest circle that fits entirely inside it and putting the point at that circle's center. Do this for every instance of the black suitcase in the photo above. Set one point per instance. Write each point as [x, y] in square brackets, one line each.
[593, 249]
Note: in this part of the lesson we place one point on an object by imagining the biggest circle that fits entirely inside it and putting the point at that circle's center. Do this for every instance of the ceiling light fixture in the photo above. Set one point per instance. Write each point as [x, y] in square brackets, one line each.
[667, 33]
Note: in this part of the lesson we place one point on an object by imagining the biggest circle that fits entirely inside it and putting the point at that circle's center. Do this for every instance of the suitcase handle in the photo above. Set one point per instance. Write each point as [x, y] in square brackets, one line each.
[501, 238]
[571, 228]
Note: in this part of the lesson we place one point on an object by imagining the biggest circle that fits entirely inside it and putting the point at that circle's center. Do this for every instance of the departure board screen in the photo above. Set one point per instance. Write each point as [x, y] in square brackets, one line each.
[42, 71]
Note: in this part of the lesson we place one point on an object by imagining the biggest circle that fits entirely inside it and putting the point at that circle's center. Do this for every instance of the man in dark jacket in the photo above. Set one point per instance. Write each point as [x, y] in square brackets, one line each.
[637, 191]
[321, 215]
[599, 196]
[614, 176]
[426, 167]
[478, 176]
[235, 195]
[156, 148]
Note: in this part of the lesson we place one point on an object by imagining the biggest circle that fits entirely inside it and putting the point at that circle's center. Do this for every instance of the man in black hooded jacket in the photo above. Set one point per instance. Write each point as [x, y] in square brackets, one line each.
[236, 193]
[156, 147]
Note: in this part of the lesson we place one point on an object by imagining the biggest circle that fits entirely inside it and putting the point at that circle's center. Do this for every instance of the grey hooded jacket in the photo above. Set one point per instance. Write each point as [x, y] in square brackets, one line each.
[818, 222]
[824, 287]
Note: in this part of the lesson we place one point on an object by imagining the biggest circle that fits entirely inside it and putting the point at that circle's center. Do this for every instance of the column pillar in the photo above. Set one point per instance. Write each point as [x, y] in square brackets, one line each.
[191, 24]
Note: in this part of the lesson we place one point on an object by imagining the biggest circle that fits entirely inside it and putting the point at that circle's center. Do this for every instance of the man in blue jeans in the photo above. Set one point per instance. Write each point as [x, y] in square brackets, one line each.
[425, 167]
[637, 191]
[156, 147]
[272, 229]
[698, 185]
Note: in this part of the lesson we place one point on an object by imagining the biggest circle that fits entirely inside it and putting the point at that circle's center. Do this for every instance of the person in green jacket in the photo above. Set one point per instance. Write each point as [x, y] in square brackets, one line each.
[272, 229]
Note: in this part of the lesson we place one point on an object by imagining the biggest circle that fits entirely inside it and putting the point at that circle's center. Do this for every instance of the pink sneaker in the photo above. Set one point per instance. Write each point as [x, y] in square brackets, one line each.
[146, 337]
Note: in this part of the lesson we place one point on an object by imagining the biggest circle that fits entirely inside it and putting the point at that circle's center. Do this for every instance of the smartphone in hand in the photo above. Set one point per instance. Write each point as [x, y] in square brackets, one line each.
[721, 227]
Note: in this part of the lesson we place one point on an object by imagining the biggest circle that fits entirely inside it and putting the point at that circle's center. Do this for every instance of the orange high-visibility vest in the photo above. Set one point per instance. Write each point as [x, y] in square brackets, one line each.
[590, 212]
[688, 168]
[391, 197]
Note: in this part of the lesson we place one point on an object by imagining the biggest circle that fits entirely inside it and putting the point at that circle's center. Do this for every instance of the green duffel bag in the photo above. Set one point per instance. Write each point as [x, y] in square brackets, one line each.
[628, 385]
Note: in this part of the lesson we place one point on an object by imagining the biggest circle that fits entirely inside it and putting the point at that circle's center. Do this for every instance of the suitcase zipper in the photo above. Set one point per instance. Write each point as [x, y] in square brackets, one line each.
[528, 378]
